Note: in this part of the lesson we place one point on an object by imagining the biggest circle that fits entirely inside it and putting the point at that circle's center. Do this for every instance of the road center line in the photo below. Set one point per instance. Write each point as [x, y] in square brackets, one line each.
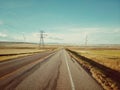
[69, 72]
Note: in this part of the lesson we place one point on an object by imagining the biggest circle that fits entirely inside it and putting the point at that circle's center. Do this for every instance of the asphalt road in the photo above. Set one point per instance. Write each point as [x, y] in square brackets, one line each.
[45, 71]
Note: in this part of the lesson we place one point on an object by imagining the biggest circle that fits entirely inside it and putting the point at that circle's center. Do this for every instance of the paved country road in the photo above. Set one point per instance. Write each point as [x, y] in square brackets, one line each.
[45, 71]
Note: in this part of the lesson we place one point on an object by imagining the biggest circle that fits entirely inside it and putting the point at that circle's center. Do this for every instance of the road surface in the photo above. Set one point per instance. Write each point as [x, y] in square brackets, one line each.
[45, 71]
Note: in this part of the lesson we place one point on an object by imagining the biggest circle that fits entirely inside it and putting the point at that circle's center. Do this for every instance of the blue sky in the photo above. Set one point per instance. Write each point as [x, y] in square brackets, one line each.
[64, 21]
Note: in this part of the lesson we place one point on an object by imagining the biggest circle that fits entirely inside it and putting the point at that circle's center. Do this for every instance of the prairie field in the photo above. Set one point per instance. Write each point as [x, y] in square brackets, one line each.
[109, 57]
[101, 62]
[9, 50]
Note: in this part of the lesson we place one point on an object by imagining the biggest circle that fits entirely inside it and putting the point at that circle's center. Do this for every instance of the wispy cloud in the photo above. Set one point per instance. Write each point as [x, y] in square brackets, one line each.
[1, 22]
[89, 30]
[75, 36]
[3, 35]
[55, 38]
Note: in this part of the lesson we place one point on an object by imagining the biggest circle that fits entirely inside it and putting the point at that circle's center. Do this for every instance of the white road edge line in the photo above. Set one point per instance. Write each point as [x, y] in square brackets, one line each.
[69, 72]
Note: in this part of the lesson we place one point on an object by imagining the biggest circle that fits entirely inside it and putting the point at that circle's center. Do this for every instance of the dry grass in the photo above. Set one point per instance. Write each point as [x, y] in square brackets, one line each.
[18, 51]
[108, 58]
[10, 50]
[4, 58]
[6, 54]
[98, 63]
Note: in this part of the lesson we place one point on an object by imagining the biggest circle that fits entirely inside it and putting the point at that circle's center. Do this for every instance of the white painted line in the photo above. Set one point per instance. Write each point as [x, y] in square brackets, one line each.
[69, 72]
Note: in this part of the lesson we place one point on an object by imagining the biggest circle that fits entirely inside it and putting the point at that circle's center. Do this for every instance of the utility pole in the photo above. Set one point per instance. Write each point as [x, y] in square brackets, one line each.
[41, 43]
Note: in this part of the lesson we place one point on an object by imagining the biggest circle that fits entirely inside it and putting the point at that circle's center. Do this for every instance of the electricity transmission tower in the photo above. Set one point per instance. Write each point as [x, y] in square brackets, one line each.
[41, 43]
[24, 38]
[86, 40]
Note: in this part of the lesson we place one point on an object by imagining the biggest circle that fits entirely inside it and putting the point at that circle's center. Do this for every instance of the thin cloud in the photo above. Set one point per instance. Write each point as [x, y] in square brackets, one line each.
[1, 22]
[55, 38]
[3, 35]
[95, 35]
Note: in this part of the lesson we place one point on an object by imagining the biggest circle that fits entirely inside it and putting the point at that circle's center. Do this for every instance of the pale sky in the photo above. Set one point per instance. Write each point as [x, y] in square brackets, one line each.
[64, 21]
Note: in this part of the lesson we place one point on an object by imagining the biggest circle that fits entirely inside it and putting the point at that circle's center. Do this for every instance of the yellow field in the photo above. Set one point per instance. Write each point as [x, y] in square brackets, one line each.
[18, 51]
[109, 58]
[14, 53]
[14, 50]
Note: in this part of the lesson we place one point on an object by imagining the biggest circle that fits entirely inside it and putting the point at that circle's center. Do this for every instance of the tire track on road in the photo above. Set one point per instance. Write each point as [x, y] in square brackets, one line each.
[11, 80]
[55, 80]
